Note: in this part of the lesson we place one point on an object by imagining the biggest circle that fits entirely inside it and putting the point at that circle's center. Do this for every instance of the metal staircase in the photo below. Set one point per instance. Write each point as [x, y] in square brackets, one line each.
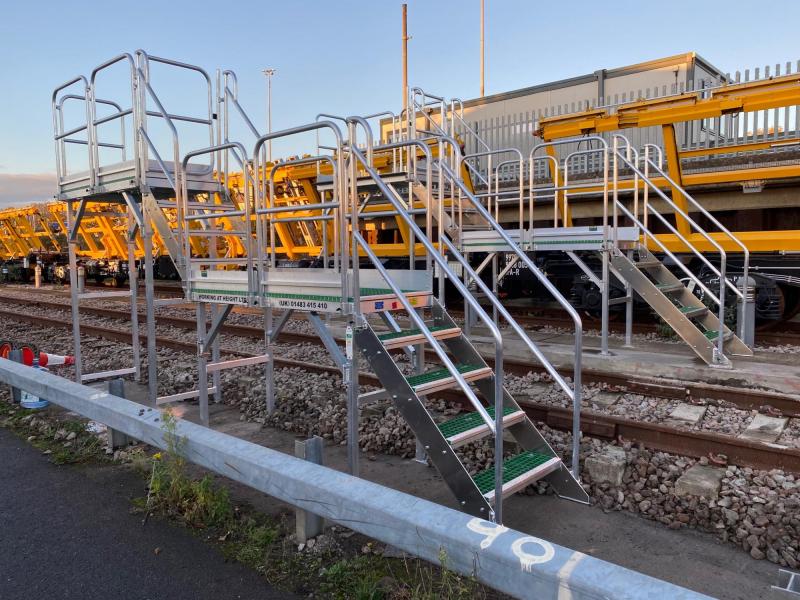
[533, 460]
[681, 309]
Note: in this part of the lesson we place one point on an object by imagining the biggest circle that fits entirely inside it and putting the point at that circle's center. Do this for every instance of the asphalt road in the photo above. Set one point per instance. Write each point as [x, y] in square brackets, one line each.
[67, 533]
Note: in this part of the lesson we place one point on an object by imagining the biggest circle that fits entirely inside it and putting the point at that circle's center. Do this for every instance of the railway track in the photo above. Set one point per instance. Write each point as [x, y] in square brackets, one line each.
[537, 318]
[658, 437]
[743, 398]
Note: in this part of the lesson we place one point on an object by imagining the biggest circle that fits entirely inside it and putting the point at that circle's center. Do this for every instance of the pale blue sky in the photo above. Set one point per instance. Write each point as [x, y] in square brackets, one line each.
[344, 56]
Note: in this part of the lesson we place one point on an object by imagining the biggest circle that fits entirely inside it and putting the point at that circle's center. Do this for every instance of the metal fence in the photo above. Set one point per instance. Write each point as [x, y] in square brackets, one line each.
[774, 125]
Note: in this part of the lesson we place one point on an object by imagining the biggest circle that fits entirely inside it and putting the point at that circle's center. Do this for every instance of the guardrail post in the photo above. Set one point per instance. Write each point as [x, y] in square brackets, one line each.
[117, 439]
[308, 525]
[747, 312]
[16, 393]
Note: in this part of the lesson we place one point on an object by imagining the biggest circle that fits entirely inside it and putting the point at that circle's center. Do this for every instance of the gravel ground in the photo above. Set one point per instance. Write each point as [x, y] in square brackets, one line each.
[756, 510]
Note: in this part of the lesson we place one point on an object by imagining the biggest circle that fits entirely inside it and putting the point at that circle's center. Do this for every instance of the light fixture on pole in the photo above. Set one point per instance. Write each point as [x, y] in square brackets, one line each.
[268, 73]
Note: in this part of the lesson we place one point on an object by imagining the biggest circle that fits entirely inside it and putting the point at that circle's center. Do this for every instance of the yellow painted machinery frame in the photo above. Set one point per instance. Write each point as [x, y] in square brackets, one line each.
[777, 92]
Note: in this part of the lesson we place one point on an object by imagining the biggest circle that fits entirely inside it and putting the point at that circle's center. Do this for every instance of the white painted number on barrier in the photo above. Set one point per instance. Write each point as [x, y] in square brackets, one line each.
[526, 559]
[492, 531]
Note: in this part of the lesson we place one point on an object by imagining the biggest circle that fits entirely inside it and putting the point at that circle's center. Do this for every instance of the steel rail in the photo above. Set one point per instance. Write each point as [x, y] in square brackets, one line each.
[744, 398]
[594, 424]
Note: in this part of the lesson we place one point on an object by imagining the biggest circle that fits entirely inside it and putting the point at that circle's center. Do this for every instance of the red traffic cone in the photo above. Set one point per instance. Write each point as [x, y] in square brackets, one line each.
[54, 360]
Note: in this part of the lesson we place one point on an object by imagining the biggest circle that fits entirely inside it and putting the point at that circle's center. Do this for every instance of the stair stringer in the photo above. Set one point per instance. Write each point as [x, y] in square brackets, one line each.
[151, 210]
[413, 410]
[733, 344]
[524, 432]
[665, 308]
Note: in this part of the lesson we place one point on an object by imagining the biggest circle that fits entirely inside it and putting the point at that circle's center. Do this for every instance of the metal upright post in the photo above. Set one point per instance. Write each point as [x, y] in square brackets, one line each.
[202, 363]
[308, 525]
[150, 313]
[419, 367]
[353, 412]
[216, 376]
[74, 292]
[117, 439]
[133, 284]
[629, 309]
[747, 311]
[351, 368]
[269, 373]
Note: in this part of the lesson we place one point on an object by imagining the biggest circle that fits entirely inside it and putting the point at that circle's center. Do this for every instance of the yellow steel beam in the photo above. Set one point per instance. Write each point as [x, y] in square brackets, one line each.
[674, 170]
[756, 241]
[745, 97]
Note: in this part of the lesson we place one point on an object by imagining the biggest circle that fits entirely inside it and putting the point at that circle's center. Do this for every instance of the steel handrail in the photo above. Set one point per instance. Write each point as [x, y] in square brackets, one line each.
[247, 206]
[496, 425]
[723, 256]
[577, 391]
[553, 144]
[689, 220]
[488, 154]
[144, 72]
[326, 207]
[58, 129]
[261, 194]
[711, 218]
[391, 196]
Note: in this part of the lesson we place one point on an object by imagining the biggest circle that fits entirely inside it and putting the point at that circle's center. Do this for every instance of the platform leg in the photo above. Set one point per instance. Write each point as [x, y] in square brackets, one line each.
[747, 313]
[216, 376]
[269, 371]
[353, 412]
[133, 285]
[604, 305]
[150, 313]
[202, 363]
[74, 291]
[628, 309]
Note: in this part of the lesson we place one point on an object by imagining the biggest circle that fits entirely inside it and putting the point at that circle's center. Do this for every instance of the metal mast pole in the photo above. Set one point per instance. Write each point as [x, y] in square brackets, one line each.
[405, 58]
[483, 47]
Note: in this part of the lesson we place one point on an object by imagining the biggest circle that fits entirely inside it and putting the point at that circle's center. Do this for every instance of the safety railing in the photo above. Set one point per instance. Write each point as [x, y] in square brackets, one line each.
[493, 193]
[561, 191]
[358, 160]
[265, 210]
[741, 294]
[61, 137]
[213, 213]
[574, 392]
[630, 162]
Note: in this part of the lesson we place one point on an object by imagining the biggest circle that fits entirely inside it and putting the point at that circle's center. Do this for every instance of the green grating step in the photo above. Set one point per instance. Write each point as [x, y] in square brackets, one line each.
[468, 421]
[431, 376]
[409, 332]
[670, 287]
[711, 334]
[512, 468]
[693, 311]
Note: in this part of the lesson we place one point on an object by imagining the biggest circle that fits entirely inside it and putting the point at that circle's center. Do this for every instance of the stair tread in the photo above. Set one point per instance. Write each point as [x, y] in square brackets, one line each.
[513, 467]
[391, 335]
[470, 420]
[431, 376]
[712, 334]
[667, 287]
[693, 309]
